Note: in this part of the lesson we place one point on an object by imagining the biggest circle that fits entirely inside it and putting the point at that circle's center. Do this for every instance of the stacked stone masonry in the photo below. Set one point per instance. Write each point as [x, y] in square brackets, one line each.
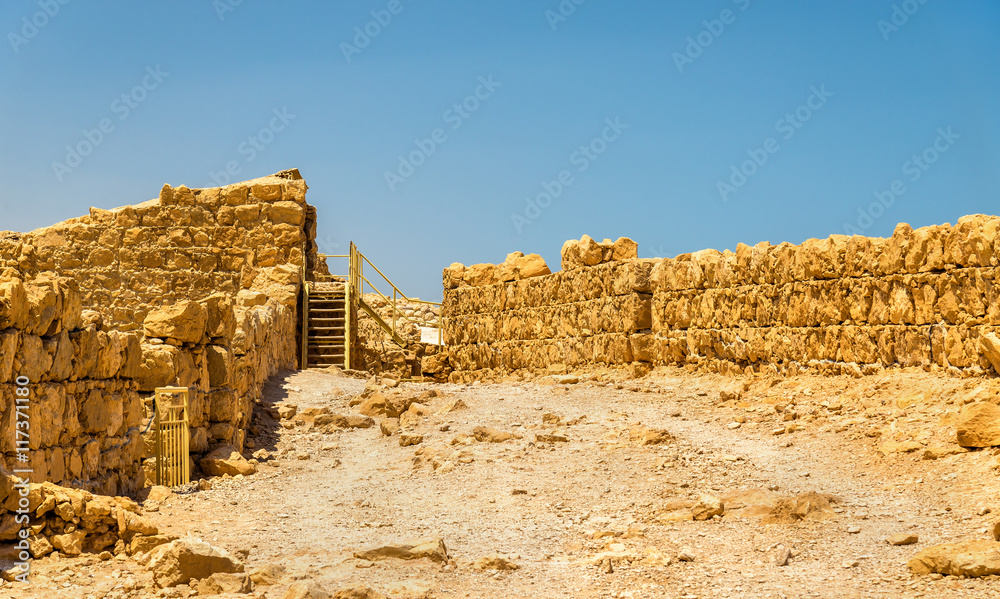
[924, 297]
[198, 288]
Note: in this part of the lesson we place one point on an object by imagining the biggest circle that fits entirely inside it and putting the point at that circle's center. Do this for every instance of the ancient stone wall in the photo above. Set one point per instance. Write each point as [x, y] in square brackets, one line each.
[517, 316]
[185, 245]
[927, 297]
[84, 411]
[845, 304]
[198, 288]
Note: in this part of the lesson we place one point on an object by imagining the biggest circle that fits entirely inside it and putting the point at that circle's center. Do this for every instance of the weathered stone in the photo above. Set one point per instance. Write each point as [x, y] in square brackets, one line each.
[405, 440]
[494, 562]
[625, 249]
[708, 506]
[902, 539]
[968, 558]
[389, 426]
[485, 434]
[226, 460]
[70, 543]
[267, 575]
[431, 548]
[642, 435]
[359, 592]
[807, 506]
[307, 589]
[146, 543]
[979, 425]
[179, 561]
[225, 582]
[185, 321]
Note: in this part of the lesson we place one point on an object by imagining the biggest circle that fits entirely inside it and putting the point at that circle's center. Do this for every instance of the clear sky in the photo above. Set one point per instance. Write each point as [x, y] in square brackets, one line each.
[424, 127]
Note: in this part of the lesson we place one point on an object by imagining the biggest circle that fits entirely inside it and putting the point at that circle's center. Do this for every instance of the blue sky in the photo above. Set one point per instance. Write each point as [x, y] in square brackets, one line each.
[733, 120]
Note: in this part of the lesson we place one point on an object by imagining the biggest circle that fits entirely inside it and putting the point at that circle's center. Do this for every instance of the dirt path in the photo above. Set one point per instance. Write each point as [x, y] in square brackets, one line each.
[567, 512]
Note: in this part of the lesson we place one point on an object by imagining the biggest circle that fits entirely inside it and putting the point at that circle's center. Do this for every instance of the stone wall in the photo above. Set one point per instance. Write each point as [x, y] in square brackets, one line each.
[185, 245]
[921, 298]
[84, 409]
[518, 316]
[198, 288]
[854, 304]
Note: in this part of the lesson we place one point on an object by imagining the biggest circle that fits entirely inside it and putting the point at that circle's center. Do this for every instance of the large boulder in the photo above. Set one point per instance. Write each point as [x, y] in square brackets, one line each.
[226, 460]
[184, 321]
[178, 562]
[968, 558]
[979, 425]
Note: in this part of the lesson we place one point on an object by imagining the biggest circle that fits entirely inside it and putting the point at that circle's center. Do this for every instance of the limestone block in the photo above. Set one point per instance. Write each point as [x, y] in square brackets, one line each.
[13, 305]
[219, 361]
[185, 321]
[159, 367]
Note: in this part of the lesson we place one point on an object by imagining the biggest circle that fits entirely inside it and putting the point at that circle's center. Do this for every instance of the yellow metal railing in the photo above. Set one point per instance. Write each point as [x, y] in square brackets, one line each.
[356, 281]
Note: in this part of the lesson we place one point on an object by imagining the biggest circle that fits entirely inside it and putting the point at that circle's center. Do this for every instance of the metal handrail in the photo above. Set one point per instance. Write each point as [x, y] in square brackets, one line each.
[395, 310]
[403, 295]
[358, 279]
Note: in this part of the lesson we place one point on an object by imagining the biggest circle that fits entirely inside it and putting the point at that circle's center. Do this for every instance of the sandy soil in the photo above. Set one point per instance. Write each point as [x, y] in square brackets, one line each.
[599, 515]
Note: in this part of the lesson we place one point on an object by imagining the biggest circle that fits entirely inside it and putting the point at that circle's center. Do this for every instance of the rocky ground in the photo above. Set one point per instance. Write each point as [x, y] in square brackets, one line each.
[675, 485]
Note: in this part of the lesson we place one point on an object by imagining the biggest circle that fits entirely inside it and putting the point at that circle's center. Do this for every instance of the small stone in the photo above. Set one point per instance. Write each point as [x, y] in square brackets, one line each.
[902, 539]
[707, 507]
[686, 555]
[853, 529]
[783, 556]
[408, 440]
[389, 426]
[996, 531]
[543, 438]
[494, 562]
[853, 563]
